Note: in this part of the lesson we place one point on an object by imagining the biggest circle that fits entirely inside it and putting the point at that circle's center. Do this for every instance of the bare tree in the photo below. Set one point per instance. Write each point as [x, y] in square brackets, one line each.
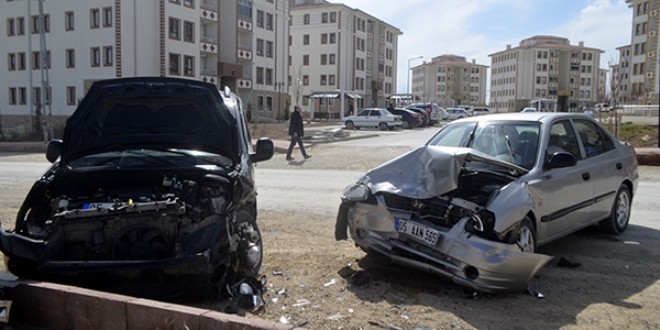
[297, 88]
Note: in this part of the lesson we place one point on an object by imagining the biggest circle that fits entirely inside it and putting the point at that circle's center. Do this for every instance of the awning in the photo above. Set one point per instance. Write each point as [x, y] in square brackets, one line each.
[352, 95]
[324, 95]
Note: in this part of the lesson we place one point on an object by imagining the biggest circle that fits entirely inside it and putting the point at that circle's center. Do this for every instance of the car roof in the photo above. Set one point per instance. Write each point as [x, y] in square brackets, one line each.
[545, 117]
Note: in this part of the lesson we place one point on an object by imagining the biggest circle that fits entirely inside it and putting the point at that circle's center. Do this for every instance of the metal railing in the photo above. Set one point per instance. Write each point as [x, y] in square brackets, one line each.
[208, 6]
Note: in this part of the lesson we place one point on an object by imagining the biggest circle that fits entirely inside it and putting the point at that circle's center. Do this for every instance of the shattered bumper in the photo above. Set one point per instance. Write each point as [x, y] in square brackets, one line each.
[461, 256]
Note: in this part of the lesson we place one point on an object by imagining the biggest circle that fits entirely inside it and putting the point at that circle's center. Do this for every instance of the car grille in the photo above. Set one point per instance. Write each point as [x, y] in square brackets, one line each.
[434, 210]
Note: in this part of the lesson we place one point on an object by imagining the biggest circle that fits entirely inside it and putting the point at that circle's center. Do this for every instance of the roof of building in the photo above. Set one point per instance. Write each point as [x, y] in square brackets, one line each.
[308, 4]
[450, 60]
[549, 42]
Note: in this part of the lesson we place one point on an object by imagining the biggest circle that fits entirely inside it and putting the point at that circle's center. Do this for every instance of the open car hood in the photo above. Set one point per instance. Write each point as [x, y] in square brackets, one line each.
[428, 171]
[150, 112]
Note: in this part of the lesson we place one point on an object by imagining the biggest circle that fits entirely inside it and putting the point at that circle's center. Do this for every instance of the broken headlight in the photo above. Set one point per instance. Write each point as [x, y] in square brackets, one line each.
[481, 224]
[358, 193]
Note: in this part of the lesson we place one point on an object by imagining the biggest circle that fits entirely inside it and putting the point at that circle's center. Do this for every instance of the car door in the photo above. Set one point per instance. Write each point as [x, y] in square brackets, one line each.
[362, 118]
[605, 166]
[563, 195]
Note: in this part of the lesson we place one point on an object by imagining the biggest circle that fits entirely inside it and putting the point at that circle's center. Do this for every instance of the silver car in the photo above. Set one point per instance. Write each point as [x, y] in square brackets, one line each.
[476, 201]
[380, 118]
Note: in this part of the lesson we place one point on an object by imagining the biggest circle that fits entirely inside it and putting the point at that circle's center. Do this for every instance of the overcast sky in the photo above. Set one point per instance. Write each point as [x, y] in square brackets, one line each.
[476, 28]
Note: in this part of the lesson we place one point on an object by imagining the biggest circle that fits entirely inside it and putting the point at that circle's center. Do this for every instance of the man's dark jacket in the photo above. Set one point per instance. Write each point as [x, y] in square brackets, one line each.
[296, 124]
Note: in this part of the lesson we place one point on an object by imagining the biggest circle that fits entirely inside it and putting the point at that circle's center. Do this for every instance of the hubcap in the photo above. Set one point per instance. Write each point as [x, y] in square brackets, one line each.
[525, 240]
[622, 209]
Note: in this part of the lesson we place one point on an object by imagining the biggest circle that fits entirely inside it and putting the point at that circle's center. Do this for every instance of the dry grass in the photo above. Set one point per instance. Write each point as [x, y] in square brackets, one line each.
[638, 135]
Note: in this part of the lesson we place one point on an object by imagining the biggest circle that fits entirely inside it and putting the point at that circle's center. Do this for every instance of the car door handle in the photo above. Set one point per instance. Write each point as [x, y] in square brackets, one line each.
[585, 176]
[619, 166]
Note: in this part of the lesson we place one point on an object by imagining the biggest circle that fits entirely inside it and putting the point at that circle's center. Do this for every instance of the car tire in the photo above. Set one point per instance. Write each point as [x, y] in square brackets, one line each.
[405, 125]
[524, 236]
[382, 126]
[617, 222]
[350, 125]
[250, 245]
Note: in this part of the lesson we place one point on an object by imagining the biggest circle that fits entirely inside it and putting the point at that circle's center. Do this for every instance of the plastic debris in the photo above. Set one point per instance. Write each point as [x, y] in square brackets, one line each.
[535, 293]
[301, 302]
[332, 281]
[399, 306]
[247, 293]
[350, 310]
[285, 320]
[277, 272]
[335, 317]
[274, 300]
[301, 323]
[564, 262]
[281, 292]
[405, 317]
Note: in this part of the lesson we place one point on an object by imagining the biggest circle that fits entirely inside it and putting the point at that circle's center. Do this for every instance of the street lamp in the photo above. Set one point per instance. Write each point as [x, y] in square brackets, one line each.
[408, 80]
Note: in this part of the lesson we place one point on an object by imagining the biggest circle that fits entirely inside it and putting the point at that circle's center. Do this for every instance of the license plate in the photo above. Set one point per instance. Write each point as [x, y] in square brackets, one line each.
[417, 231]
[88, 206]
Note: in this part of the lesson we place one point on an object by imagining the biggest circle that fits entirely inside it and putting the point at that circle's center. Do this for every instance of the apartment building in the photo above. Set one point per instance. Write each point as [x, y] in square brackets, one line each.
[339, 53]
[450, 80]
[92, 40]
[545, 68]
[620, 76]
[642, 84]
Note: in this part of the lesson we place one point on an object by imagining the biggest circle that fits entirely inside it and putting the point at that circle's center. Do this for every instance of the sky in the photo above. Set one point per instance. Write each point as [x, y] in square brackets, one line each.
[477, 28]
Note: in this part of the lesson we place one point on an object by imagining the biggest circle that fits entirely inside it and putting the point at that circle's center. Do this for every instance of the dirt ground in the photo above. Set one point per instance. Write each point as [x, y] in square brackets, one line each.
[333, 285]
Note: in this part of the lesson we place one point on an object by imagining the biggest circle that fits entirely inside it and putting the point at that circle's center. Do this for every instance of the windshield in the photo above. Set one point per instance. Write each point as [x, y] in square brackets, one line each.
[513, 142]
[136, 158]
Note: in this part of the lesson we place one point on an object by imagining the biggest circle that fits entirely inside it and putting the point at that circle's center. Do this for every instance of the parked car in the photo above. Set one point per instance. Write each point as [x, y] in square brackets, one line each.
[529, 110]
[432, 109]
[480, 112]
[380, 118]
[151, 190]
[424, 115]
[444, 114]
[409, 119]
[476, 201]
[456, 113]
[602, 107]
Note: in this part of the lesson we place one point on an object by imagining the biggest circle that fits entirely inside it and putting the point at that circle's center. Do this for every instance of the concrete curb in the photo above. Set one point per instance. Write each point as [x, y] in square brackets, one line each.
[55, 306]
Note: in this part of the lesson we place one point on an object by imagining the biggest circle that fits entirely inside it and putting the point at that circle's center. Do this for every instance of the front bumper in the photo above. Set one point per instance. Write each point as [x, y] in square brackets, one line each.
[458, 255]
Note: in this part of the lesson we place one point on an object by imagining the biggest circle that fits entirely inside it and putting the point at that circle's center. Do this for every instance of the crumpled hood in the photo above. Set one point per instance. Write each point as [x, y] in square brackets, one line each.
[427, 171]
[150, 112]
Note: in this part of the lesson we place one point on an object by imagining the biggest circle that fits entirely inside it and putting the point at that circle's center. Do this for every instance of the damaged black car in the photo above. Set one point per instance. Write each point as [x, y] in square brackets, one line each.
[151, 191]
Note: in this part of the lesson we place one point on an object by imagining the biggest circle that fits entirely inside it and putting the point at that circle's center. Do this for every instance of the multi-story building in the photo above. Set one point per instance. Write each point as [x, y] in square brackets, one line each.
[336, 50]
[449, 80]
[545, 68]
[87, 41]
[601, 96]
[620, 76]
[644, 47]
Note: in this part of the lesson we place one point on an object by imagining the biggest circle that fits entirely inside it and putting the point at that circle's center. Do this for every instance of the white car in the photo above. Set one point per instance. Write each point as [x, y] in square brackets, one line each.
[480, 111]
[380, 118]
[529, 110]
[456, 113]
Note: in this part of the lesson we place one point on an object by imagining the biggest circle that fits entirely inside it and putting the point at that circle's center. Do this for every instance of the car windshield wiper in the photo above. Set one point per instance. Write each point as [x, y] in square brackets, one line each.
[508, 145]
[468, 143]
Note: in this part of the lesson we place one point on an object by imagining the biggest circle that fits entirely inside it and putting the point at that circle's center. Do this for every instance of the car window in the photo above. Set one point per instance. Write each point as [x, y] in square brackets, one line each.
[456, 135]
[562, 139]
[593, 140]
[364, 113]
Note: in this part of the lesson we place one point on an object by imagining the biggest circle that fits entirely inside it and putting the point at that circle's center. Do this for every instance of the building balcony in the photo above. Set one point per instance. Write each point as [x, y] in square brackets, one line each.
[208, 48]
[244, 25]
[369, 73]
[381, 58]
[208, 14]
[208, 6]
[574, 86]
[575, 73]
[244, 54]
[208, 72]
[554, 59]
[369, 54]
[208, 40]
[382, 39]
[553, 72]
[244, 83]
[370, 35]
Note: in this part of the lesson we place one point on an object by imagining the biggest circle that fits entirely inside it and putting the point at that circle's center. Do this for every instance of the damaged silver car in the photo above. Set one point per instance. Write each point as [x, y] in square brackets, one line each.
[476, 201]
[151, 193]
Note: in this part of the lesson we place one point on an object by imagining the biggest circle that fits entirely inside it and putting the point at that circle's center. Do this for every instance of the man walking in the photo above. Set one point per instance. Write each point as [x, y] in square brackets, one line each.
[297, 132]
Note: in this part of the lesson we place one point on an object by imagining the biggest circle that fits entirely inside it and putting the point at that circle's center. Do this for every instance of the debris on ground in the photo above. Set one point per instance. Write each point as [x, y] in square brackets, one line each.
[535, 293]
[567, 263]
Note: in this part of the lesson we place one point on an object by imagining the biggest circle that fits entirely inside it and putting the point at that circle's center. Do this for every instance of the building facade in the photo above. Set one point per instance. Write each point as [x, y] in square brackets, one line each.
[545, 68]
[620, 77]
[450, 80]
[87, 41]
[335, 48]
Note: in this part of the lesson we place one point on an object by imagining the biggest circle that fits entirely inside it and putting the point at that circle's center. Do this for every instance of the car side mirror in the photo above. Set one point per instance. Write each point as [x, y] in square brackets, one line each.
[559, 160]
[53, 150]
[264, 150]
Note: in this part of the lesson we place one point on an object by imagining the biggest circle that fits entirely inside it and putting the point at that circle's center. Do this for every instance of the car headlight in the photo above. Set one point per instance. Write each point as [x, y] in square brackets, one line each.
[356, 193]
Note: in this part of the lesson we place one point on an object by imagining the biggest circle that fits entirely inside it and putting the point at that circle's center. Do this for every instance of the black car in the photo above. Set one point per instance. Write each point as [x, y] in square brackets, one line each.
[409, 118]
[151, 190]
[424, 115]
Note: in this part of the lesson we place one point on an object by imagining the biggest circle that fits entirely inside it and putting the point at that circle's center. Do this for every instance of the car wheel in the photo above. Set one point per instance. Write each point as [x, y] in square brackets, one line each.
[350, 125]
[618, 219]
[382, 126]
[405, 124]
[524, 236]
[250, 245]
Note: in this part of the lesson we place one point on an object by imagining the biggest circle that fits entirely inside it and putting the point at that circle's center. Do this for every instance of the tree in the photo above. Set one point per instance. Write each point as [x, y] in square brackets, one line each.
[616, 79]
[297, 88]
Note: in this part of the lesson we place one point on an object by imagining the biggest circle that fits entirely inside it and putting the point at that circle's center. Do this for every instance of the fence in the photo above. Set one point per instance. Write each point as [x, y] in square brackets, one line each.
[638, 110]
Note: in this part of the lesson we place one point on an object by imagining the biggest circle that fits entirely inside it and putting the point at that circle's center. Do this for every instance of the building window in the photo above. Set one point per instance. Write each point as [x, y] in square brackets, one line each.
[174, 64]
[174, 28]
[21, 61]
[269, 22]
[306, 39]
[269, 49]
[68, 21]
[36, 60]
[260, 102]
[269, 103]
[189, 3]
[70, 58]
[71, 95]
[12, 62]
[20, 26]
[189, 66]
[269, 76]
[95, 20]
[331, 80]
[333, 38]
[305, 80]
[324, 80]
[12, 96]
[331, 59]
[22, 95]
[96, 56]
[324, 59]
[324, 18]
[107, 56]
[176, 1]
[333, 17]
[324, 38]
[260, 47]
[107, 17]
[36, 23]
[306, 19]
[260, 19]
[305, 59]
[260, 75]
[11, 27]
[36, 95]
[189, 31]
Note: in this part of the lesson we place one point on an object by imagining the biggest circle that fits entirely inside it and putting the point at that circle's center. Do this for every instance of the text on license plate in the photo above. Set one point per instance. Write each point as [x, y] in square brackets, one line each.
[418, 231]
